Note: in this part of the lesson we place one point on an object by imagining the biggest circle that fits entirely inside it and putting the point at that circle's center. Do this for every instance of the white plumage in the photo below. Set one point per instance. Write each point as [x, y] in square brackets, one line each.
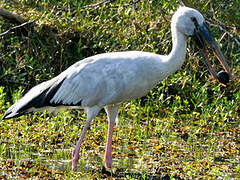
[106, 80]
[111, 78]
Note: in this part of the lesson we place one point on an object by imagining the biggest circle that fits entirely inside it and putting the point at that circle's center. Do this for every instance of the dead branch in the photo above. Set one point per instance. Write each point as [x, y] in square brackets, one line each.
[224, 30]
[16, 27]
[97, 4]
[10, 16]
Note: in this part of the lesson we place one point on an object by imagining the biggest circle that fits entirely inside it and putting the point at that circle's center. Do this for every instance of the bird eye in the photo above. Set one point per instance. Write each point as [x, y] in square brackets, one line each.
[193, 19]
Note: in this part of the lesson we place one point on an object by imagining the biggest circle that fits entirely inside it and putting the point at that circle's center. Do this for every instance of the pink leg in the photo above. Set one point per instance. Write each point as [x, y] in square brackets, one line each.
[112, 112]
[91, 113]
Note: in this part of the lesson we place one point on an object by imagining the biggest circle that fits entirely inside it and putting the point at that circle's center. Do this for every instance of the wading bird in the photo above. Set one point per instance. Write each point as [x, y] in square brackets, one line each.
[106, 80]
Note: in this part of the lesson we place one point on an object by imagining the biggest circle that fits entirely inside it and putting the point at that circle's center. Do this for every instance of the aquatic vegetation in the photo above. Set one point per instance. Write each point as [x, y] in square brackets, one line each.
[187, 127]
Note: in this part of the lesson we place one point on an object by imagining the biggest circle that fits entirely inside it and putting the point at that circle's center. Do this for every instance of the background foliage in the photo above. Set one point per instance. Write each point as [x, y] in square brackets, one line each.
[186, 127]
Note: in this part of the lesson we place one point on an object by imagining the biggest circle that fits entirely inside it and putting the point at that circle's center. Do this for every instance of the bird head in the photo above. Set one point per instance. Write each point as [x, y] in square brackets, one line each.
[190, 22]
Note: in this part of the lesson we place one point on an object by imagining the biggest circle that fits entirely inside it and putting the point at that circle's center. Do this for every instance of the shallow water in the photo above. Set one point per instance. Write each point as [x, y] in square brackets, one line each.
[42, 149]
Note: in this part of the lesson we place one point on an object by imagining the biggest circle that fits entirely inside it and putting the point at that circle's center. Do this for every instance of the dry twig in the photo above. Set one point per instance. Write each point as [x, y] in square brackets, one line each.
[16, 27]
[97, 4]
[10, 16]
[224, 30]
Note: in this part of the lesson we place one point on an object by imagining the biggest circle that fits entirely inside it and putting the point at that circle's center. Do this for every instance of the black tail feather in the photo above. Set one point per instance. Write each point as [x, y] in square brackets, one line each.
[35, 100]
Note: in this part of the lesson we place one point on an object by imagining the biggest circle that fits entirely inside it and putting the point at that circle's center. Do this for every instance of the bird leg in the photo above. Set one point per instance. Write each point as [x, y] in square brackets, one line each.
[75, 153]
[91, 113]
[112, 112]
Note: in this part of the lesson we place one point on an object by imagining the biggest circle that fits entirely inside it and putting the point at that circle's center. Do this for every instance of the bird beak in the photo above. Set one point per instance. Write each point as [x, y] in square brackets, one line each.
[202, 35]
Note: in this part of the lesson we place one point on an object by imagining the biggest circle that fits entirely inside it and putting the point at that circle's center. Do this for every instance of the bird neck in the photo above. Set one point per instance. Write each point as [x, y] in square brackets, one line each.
[177, 55]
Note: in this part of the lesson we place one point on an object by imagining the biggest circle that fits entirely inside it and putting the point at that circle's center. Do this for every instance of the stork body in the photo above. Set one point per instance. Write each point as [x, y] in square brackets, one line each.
[106, 80]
